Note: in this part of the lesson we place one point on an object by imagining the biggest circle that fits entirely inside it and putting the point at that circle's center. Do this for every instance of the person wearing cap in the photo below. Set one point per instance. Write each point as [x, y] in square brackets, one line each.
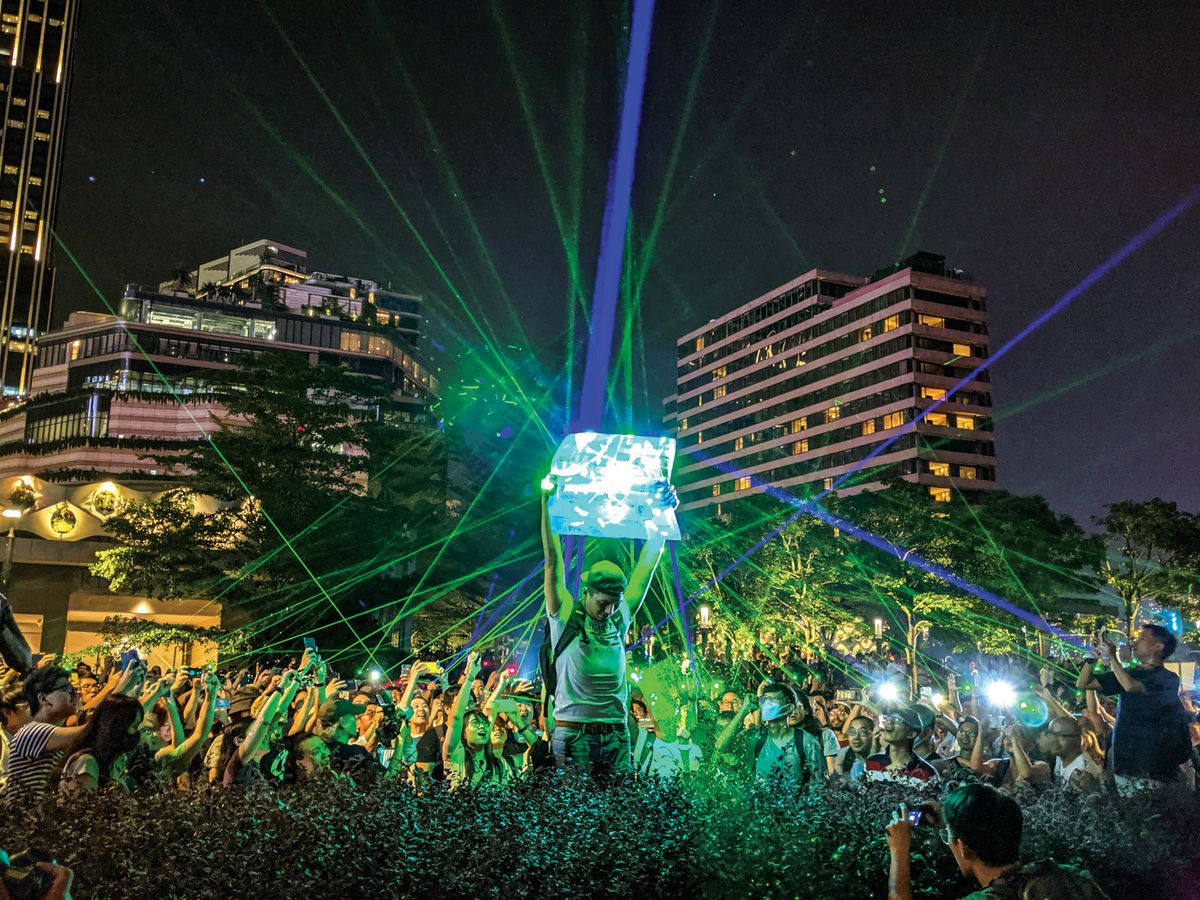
[337, 723]
[591, 698]
[899, 728]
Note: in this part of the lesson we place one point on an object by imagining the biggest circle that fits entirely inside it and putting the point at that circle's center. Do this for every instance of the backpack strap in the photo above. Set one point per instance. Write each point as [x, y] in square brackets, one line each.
[572, 630]
[798, 739]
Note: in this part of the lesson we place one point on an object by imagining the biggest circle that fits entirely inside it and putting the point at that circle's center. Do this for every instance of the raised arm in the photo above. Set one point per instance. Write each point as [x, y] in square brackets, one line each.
[185, 750]
[260, 728]
[643, 573]
[559, 601]
[452, 743]
[735, 723]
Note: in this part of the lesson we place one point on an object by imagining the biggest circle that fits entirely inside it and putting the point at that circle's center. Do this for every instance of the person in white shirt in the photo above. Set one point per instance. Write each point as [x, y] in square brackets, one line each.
[1072, 767]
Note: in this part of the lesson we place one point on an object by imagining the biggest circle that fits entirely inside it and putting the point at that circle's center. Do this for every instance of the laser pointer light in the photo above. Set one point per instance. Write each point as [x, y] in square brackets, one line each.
[1000, 693]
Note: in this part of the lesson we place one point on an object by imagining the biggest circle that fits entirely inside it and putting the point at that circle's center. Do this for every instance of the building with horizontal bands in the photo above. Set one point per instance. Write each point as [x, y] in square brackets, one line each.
[797, 387]
[110, 391]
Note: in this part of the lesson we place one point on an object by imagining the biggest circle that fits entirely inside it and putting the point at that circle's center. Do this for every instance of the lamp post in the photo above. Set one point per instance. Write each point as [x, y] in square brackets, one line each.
[13, 515]
[705, 626]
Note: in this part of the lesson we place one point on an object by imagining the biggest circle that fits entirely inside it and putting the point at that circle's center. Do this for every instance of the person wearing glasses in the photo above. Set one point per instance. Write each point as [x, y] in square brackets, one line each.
[36, 753]
[982, 827]
[1072, 767]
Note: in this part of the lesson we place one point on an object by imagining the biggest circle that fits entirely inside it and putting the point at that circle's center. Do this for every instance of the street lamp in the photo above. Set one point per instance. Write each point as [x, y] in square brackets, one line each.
[13, 515]
[705, 625]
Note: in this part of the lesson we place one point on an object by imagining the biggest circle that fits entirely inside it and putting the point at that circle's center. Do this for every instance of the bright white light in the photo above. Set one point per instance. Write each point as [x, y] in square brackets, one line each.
[937, 699]
[11, 513]
[889, 691]
[376, 674]
[1000, 693]
[705, 615]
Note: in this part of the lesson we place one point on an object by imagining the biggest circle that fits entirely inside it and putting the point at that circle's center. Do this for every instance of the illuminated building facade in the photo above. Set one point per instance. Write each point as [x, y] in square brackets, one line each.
[795, 388]
[36, 42]
[75, 450]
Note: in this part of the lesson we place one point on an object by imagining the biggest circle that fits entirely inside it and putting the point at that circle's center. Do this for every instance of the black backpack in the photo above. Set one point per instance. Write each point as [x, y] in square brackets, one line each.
[550, 653]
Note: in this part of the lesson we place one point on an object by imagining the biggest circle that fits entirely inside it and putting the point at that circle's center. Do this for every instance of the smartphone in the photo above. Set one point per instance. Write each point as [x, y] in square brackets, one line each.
[193, 672]
[36, 658]
[915, 816]
[222, 703]
[129, 657]
[310, 644]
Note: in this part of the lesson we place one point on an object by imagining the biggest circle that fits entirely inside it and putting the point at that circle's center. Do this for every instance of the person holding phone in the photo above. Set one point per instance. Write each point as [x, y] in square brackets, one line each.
[1150, 741]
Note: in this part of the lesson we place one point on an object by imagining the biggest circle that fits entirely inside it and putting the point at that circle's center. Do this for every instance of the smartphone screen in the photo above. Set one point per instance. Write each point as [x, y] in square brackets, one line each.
[914, 816]
[310, 644]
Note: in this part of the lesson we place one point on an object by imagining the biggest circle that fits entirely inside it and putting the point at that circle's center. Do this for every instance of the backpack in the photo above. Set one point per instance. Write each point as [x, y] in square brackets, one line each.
[798, 740]
[550, 653]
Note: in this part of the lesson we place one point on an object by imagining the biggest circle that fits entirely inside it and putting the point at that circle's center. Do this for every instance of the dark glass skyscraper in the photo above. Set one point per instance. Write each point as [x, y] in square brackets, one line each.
[36, 42]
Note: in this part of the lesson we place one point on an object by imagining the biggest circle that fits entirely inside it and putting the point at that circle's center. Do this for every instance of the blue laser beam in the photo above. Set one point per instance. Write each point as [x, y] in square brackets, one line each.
[593, 394]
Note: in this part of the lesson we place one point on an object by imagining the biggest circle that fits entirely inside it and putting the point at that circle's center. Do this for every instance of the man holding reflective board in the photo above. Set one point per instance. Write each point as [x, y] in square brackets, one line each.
[602, 486]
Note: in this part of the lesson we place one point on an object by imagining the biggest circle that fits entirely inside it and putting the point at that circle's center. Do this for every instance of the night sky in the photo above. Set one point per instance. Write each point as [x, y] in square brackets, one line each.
[1026, 142]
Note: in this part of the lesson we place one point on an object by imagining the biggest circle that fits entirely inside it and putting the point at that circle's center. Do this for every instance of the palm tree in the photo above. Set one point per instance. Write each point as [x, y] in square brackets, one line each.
[210, 289]
[183, 277]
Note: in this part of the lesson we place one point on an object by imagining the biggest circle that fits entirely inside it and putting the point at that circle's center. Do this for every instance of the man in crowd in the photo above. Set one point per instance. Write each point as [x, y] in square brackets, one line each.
[958, 768]
[782, 754]
[38, 747]
[587, 655]
[982, 828]
[1150, 741]
[899, 728]
[1072, 767]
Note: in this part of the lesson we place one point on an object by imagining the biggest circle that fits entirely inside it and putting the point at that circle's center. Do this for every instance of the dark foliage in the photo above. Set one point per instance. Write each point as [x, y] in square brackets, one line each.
[565, 839]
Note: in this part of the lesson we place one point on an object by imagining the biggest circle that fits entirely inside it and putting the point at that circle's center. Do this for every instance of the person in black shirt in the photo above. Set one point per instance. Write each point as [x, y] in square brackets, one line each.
[1150, 740]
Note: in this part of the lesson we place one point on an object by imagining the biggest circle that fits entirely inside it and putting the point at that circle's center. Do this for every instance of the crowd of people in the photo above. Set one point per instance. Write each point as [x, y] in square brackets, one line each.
[123, 726]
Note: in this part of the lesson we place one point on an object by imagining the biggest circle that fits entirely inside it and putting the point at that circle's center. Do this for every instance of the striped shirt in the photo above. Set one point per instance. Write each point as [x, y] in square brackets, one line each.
[30, 767]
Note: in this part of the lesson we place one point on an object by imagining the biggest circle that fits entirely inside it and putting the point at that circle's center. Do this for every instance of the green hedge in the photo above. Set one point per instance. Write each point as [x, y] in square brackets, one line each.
[565, 839]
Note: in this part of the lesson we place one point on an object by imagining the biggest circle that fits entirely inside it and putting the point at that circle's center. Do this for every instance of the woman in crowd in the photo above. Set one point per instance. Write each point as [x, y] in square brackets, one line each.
[467, 752]
[100, 754]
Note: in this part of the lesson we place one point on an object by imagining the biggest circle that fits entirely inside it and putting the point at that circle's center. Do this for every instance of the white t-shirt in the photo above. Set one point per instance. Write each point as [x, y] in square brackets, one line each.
[1081, 763]
[591, 673]
[664, 759]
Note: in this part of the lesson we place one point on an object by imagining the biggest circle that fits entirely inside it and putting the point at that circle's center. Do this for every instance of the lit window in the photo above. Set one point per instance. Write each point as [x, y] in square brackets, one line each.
[868, 427]
[966, 423]
[700, 343]
[699, 437]
[865, 334]
[961, 349]
[799, 447]
[932, 393]
[891, 323]
[716, 492]
[743, 483]
[967, 472]
[940, 494]
[938, 419]
[940, 469]
[893, 419]
[683, 424]
[799, 425]
[719, 392]
[832, 414]
[75, 349]
[827, 483]
[720, 372]
[931, 321]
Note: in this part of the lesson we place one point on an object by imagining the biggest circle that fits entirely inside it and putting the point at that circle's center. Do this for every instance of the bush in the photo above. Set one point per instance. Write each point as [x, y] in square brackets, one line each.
[565, 839]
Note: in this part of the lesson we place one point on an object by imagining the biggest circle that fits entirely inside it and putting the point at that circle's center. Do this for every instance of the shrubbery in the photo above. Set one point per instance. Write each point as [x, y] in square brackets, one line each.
[565, 839]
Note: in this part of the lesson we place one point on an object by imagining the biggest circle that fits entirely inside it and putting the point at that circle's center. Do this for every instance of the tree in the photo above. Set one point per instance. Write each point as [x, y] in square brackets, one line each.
[210, 289]
[308, 506]
[1154, 554]
[182, 276]
[922, 603]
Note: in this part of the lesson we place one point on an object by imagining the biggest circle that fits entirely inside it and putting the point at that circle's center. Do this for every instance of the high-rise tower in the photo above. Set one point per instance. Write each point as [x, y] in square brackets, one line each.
[36, 42]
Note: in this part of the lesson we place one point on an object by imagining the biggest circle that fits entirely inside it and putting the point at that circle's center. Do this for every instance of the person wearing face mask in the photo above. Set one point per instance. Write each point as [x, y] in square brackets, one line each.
[584, 659]
[784, 755]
